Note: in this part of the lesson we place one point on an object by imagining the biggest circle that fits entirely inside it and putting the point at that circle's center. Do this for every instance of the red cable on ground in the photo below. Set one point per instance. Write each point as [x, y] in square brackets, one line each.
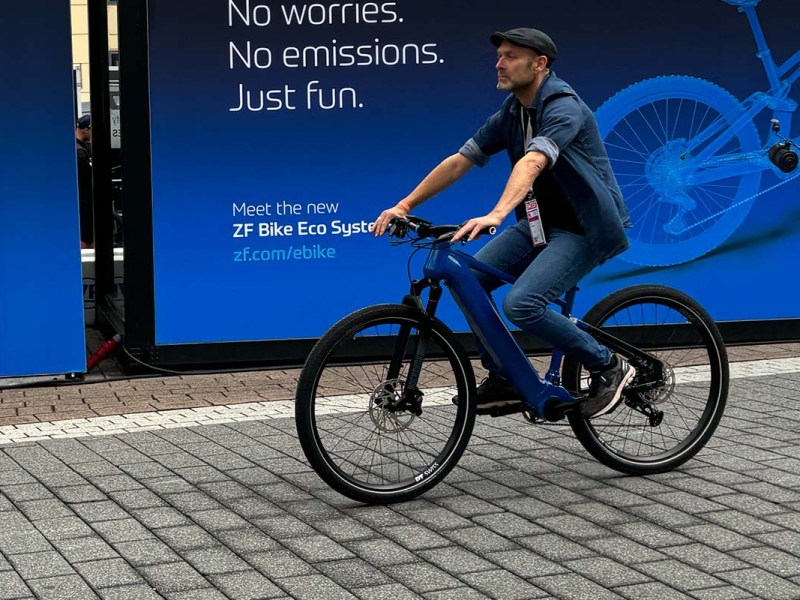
[103, 352]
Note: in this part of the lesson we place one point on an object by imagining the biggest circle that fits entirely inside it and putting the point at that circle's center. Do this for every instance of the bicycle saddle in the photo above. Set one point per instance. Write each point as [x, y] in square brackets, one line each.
[742, 3]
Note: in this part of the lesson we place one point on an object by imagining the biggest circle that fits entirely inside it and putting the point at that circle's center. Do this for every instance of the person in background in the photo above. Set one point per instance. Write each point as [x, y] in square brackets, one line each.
[83, 147]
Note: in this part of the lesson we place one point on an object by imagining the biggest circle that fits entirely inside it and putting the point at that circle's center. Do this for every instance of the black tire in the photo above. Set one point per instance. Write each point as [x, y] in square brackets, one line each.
[360, 448]
[691, 397]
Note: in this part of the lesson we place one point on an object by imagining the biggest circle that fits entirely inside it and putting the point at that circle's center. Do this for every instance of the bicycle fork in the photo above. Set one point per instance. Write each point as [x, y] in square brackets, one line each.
[411, 397]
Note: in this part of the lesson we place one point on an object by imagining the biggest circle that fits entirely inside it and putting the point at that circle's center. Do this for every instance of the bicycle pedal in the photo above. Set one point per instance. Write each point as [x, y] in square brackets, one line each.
[502, 411]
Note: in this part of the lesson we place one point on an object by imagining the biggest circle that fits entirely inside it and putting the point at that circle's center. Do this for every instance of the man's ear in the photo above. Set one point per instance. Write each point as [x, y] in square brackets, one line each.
[542, 63]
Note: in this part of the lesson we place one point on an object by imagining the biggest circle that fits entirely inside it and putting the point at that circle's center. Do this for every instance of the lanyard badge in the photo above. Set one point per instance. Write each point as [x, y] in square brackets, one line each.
[534, 220]
[531, 205]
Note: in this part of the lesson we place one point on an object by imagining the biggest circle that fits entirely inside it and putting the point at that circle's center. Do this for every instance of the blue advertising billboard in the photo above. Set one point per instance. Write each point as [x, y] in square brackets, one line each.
[41, 303]
[280, 130]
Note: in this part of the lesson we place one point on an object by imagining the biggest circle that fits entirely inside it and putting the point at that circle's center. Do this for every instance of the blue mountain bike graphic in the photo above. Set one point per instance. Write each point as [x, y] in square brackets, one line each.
[689, 158]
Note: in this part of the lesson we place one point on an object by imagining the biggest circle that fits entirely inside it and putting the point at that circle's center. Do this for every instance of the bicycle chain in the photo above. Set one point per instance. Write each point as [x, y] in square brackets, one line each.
[746, 200]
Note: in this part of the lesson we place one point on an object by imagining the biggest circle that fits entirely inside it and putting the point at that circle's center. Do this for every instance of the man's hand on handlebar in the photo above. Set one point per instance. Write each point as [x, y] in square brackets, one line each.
[382, 222]
[476, 227]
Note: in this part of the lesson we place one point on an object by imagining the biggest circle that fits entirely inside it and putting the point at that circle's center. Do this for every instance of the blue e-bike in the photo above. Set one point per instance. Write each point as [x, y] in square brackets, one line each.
[385, 402]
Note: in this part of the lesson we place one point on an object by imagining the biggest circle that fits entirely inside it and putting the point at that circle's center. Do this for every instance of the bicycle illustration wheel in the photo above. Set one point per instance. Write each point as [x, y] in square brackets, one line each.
[671, 407]
[353, 425]
[652, 130]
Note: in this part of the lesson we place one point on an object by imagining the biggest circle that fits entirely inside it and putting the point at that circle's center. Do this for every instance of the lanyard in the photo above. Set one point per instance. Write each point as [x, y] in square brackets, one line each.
[527, 127]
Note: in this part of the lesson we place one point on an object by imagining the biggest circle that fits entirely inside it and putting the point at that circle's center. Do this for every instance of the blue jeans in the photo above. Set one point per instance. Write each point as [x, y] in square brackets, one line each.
[544, 274]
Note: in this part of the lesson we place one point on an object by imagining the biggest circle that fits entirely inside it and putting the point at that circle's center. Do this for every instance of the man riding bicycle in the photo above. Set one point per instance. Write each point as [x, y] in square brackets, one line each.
[567, 201]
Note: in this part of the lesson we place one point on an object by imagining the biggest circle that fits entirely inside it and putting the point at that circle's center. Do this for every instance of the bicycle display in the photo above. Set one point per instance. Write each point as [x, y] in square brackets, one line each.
[688, 156]
[374, 406]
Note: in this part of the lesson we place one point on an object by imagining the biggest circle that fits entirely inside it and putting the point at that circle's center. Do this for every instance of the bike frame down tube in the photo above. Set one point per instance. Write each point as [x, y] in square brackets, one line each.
[454, 268]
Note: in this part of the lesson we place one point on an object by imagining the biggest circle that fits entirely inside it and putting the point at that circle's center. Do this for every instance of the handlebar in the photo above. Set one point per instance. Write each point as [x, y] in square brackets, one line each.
[399, 228]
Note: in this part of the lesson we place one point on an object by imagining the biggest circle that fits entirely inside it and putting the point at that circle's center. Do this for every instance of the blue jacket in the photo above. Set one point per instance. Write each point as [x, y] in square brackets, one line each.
[565, 131]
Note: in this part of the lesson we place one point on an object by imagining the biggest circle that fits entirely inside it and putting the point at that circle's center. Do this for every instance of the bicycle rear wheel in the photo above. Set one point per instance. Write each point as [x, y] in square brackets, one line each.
[689, 392]
[352, 419]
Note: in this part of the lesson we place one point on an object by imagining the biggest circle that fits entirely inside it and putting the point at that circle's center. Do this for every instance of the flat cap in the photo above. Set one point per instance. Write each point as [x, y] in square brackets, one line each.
[536, 40]
[84, 122]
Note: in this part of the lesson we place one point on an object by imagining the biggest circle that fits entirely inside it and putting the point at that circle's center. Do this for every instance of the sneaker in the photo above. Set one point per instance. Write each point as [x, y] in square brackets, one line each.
[494, 392]
[605, 391]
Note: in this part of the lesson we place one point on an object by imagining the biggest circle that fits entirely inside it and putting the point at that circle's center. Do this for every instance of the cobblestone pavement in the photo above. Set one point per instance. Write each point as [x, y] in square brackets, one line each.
[233, 511]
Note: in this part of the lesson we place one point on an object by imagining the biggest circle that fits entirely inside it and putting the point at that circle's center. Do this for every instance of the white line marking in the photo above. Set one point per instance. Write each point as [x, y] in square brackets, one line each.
[251, 411]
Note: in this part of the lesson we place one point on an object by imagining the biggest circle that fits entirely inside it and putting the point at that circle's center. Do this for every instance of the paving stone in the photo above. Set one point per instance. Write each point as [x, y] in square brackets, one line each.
[678, 575]
[525, 563]
[354, 573]
[131, 500]
[174, 577]
[722, 593]
[226, 491]
[624, 550]
[123, 530]
[649, 591]
[509, 525]
[393, 591]
[456, 560]
[415, 537]
[378, 516]
[718, 537]
[313, 587]
[253, 507]
[26, 492]
[664, 516]
[186, 537]
[571, 586]
[84, 549]
[130, 592]
[215, 560]
[462, 593]
[63, 528]
[40, 564]
[12, 586]
[284, 527]
[776, 561]
[741, 522]
[103, 510]
[218, 520]
[44, 509]
[162, 516]
[343, 529]
[319, 548]
[74, 494]
[573, 527]
[246, 585]
[502, 584]
[480, 540]
[555, 547]
[762, 583]
[380, 552]
[197, 594]
[107, 573]
[529, 508]
[67, 587]
[785, 540]
[21, 540]
[247, 540]
[606, 572]
[146, 552]
[277, 564]
[652, 536]
[282, 492]
[192, 501]
[704, 558]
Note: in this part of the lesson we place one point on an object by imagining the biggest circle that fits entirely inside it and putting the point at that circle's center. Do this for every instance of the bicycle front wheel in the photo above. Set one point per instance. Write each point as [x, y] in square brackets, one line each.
[374, 408]
[671, 410]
